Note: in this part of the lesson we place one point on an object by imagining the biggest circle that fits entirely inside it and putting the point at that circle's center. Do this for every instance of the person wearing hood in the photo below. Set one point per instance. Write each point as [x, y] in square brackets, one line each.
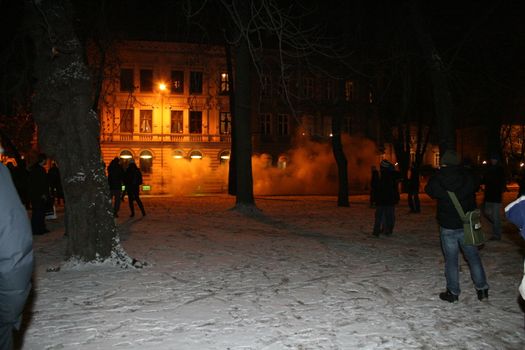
[16, 258]
[455, 178]
[387, 196]
[515, 213]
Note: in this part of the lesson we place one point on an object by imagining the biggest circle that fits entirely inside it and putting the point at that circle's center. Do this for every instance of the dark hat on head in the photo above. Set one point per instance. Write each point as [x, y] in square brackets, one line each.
[450, 157]
[386, 164]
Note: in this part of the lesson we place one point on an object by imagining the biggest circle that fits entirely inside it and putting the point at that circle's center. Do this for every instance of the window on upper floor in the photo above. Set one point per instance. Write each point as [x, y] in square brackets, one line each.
[349, 90]
[126, 80]
[330, 90]
[265, 123]
[146, 80]
[266, 86]
[195, 82]
[195, 122]
[224, 86]
[308, 87]
[146, 120]
[126, 120]
[177, 82]
[283, 124]
[347, 125]
[225, 123]
[177, 126]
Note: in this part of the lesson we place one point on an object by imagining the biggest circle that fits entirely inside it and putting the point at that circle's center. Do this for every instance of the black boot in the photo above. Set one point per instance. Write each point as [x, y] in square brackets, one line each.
[483, 294]
[448, 296]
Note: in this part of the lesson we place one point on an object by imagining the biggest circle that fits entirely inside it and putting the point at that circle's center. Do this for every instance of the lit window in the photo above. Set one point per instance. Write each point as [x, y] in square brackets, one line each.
[224, 157]
[145, 161]
[177, 154]
[177, 82]
[146, 117]
[195, 154]
[176, 122]
[224, 84]
[282, 163]
[225, 123]
[349, 90]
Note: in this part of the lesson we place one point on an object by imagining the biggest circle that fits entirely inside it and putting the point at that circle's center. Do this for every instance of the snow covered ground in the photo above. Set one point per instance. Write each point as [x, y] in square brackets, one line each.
[304, 274]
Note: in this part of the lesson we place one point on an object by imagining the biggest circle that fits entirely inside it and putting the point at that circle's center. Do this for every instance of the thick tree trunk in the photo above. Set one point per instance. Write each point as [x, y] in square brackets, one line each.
[340, 159]
[242, 125]
[68, 130]
[232, 173]
[442, 97]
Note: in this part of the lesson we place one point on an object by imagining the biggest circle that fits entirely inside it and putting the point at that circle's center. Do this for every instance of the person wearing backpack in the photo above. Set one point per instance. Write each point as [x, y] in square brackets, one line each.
[132, 181]
[455, 178]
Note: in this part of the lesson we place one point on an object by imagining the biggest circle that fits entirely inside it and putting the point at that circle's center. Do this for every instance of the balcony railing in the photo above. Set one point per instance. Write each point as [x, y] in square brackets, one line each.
[140, 137]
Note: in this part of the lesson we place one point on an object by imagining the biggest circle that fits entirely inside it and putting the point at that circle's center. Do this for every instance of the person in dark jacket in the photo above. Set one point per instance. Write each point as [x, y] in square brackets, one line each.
[55, 184]
[16, 259]
[455, 178]
[39, 195]
[413, 190]
[21, 180]
[132, 181]
[374, 181]
[495, 185]
[387, 196]
[115, 180]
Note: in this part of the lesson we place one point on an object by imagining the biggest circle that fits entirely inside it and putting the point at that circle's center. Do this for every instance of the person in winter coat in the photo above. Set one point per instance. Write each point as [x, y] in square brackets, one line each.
[515, 213]
[455, 178]
[374, 181]
[39, 195]
[387, 196]
[115, 180]
[16, 258]
[413, 191]
[55, 184]
[132, 181]
[495, 185]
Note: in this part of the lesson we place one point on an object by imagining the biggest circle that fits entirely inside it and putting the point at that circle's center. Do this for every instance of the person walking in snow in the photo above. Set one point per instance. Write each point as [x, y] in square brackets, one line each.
[115, 180]
[132, 181]
[495, 185]
[16, 259]
[515, 213]
[387, 196]
[39, 195]
[455, 178]
[374, 181]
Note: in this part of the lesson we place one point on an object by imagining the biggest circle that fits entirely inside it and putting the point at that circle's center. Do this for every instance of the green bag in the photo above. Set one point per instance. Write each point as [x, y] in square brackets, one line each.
[471, 223]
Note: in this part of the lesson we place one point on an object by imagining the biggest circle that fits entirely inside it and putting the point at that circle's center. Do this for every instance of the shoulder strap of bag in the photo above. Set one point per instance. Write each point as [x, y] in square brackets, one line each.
[458, 206]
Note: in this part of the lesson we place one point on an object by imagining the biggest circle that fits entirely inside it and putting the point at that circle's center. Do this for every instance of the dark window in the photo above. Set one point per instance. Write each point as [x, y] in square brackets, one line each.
[146, 80]
[146, 120]
[177, 82]
[225, 84]
[349, 90]
[126, 120]
[176, 122]
[225, 123]
[282, 124]
[195, 82]
[145, 161]
[266, 88]
[195, 122]
[126, 80]
[265, 123]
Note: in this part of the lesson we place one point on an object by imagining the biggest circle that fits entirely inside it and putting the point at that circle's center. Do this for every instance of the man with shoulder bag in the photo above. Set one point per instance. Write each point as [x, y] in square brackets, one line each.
[453, 178]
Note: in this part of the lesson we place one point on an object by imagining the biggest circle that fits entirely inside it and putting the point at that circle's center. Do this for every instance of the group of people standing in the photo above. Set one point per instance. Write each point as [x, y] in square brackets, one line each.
[455, 177]
[131, 178]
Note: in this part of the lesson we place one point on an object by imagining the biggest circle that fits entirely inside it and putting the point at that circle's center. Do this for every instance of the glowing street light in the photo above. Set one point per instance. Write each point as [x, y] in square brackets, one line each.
[162, 87]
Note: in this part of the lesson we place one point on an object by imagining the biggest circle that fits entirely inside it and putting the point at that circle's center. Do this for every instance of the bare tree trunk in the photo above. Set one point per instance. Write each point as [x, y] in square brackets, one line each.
[232, 173]
[242, 125]
[68, 130]
[340, 159]
[442, 97]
